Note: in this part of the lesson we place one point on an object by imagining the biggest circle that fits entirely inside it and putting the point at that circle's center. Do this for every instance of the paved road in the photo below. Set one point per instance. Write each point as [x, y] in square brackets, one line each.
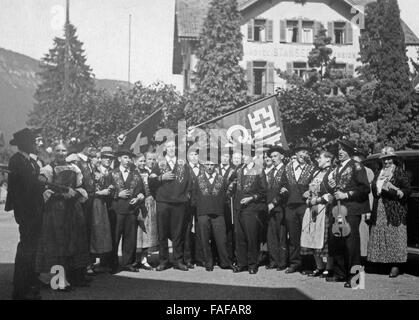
[216, 285]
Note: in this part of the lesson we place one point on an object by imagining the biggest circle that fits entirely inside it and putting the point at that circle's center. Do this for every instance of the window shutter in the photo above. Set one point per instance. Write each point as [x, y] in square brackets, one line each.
[283, 31]
[349, 37]
[290, 68]
[331, 31]
[249, 76]
[269, 31]
[250, 30]
[271, 78]
[317, 27]
[350, 69]
[300, 31]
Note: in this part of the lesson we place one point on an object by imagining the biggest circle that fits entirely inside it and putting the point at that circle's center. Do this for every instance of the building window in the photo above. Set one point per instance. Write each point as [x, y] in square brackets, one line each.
[259, 76]
[308, 32]
[260, 30]
[292, 31]
[300, 69]
[339, 29]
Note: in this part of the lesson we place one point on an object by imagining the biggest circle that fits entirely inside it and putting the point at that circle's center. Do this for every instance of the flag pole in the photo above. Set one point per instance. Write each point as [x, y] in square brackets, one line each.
[231, 112]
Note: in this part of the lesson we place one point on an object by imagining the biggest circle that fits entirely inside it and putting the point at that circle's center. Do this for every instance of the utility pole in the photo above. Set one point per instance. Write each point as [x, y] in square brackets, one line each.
[129, 53]
[67, 50]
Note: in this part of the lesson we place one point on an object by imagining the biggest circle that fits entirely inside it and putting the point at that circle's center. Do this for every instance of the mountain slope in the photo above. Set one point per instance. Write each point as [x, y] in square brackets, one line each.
[18, 82]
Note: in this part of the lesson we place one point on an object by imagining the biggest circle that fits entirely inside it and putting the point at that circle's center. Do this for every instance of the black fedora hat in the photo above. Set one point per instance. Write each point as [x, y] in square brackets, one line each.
[347, 145]
[78, 145]
[302, 146]
[23, 136]
[125, 152]
[276, 148]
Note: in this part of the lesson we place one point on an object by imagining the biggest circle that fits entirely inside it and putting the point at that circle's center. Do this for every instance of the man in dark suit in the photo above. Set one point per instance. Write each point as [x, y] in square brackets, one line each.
[249, 204]
[227, 171]
[192, 252]
[24, 196]
[275, 198]
[298, 175]
[349, 184]
[128, 197]
[172, 181]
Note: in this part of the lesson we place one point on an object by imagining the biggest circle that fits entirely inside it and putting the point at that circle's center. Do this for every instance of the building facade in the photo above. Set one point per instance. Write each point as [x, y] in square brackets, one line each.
[279, 34]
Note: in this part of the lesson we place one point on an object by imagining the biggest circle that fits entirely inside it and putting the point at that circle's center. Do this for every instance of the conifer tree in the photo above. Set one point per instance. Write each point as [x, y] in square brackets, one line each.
[57, 112]
[220, 84]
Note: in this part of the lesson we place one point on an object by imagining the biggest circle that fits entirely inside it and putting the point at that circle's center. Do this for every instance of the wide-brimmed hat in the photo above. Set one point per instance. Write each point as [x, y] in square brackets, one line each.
[360, 152]
[124, 152]
[24, 136]
[302, 146]
[78, 145]
[107, 152]
[388, 152]
[276, 148]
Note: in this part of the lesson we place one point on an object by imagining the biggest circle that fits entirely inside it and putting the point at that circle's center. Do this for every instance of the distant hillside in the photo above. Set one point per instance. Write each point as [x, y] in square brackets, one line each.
[18, 82]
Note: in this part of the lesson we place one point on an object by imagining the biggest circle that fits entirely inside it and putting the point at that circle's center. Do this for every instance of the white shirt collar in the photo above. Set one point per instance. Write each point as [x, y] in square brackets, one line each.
[344, 163]
[23, 153]
[267, 170]
[296, 164]
[211, 176]
[122, 169]
[279, 166]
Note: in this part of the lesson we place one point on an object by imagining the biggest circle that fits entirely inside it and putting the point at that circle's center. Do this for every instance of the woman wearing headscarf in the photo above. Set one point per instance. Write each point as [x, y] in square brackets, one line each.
[391, 189]
[64, 237]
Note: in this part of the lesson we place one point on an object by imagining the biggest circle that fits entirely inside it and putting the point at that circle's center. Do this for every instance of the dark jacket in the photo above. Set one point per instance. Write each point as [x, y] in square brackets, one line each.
[134, 183]
[252, 185]
[295, 188]
[395, 208]
[24, 194]
[177, 190]
[275, 182]
[353, 180]
[209, 198]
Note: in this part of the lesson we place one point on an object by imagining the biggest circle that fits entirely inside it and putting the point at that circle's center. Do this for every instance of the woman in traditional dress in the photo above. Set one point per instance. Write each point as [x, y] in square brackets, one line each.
[147, 238]
[391, 190]
[315, 228]
[101, 236]
[64, 236]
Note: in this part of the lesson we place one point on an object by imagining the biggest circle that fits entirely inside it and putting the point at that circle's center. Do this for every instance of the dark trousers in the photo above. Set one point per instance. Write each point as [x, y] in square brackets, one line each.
[171, 222]
[346, 252]
[294, 221]
[213, 226]
[192, 250]
[88, 212]
[25, 277]
[247, 227]
[111, 260]
[126, 228]
[277, 238]
[229, 233]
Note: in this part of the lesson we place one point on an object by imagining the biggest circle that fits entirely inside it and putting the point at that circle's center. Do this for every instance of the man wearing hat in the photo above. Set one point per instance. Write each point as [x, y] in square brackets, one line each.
[209, 196]
[276, 197]
[173, 184]
[128, 197]
[298, 175]
[24, 196]
[348, 182]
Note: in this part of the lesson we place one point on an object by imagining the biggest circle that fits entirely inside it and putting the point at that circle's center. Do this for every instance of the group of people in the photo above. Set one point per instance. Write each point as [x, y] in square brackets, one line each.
[304, 213]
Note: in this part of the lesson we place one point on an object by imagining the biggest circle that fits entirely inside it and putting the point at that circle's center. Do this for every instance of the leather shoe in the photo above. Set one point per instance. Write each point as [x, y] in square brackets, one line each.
[271, 266]
[281, 268]
[209, 268]
[347, 284]
[316, 273]
[238, 269]
[162, 267]
[253, 270]
[290, 270]
[190, 265]
[181, 267]
[130, 269]
[306, 272]
[227, 267]
[335, 279]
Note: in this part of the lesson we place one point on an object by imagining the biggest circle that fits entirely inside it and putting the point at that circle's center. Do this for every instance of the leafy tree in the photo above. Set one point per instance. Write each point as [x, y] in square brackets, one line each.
[220, 84]
[320, 56]
[383, 51]
[59, 113]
